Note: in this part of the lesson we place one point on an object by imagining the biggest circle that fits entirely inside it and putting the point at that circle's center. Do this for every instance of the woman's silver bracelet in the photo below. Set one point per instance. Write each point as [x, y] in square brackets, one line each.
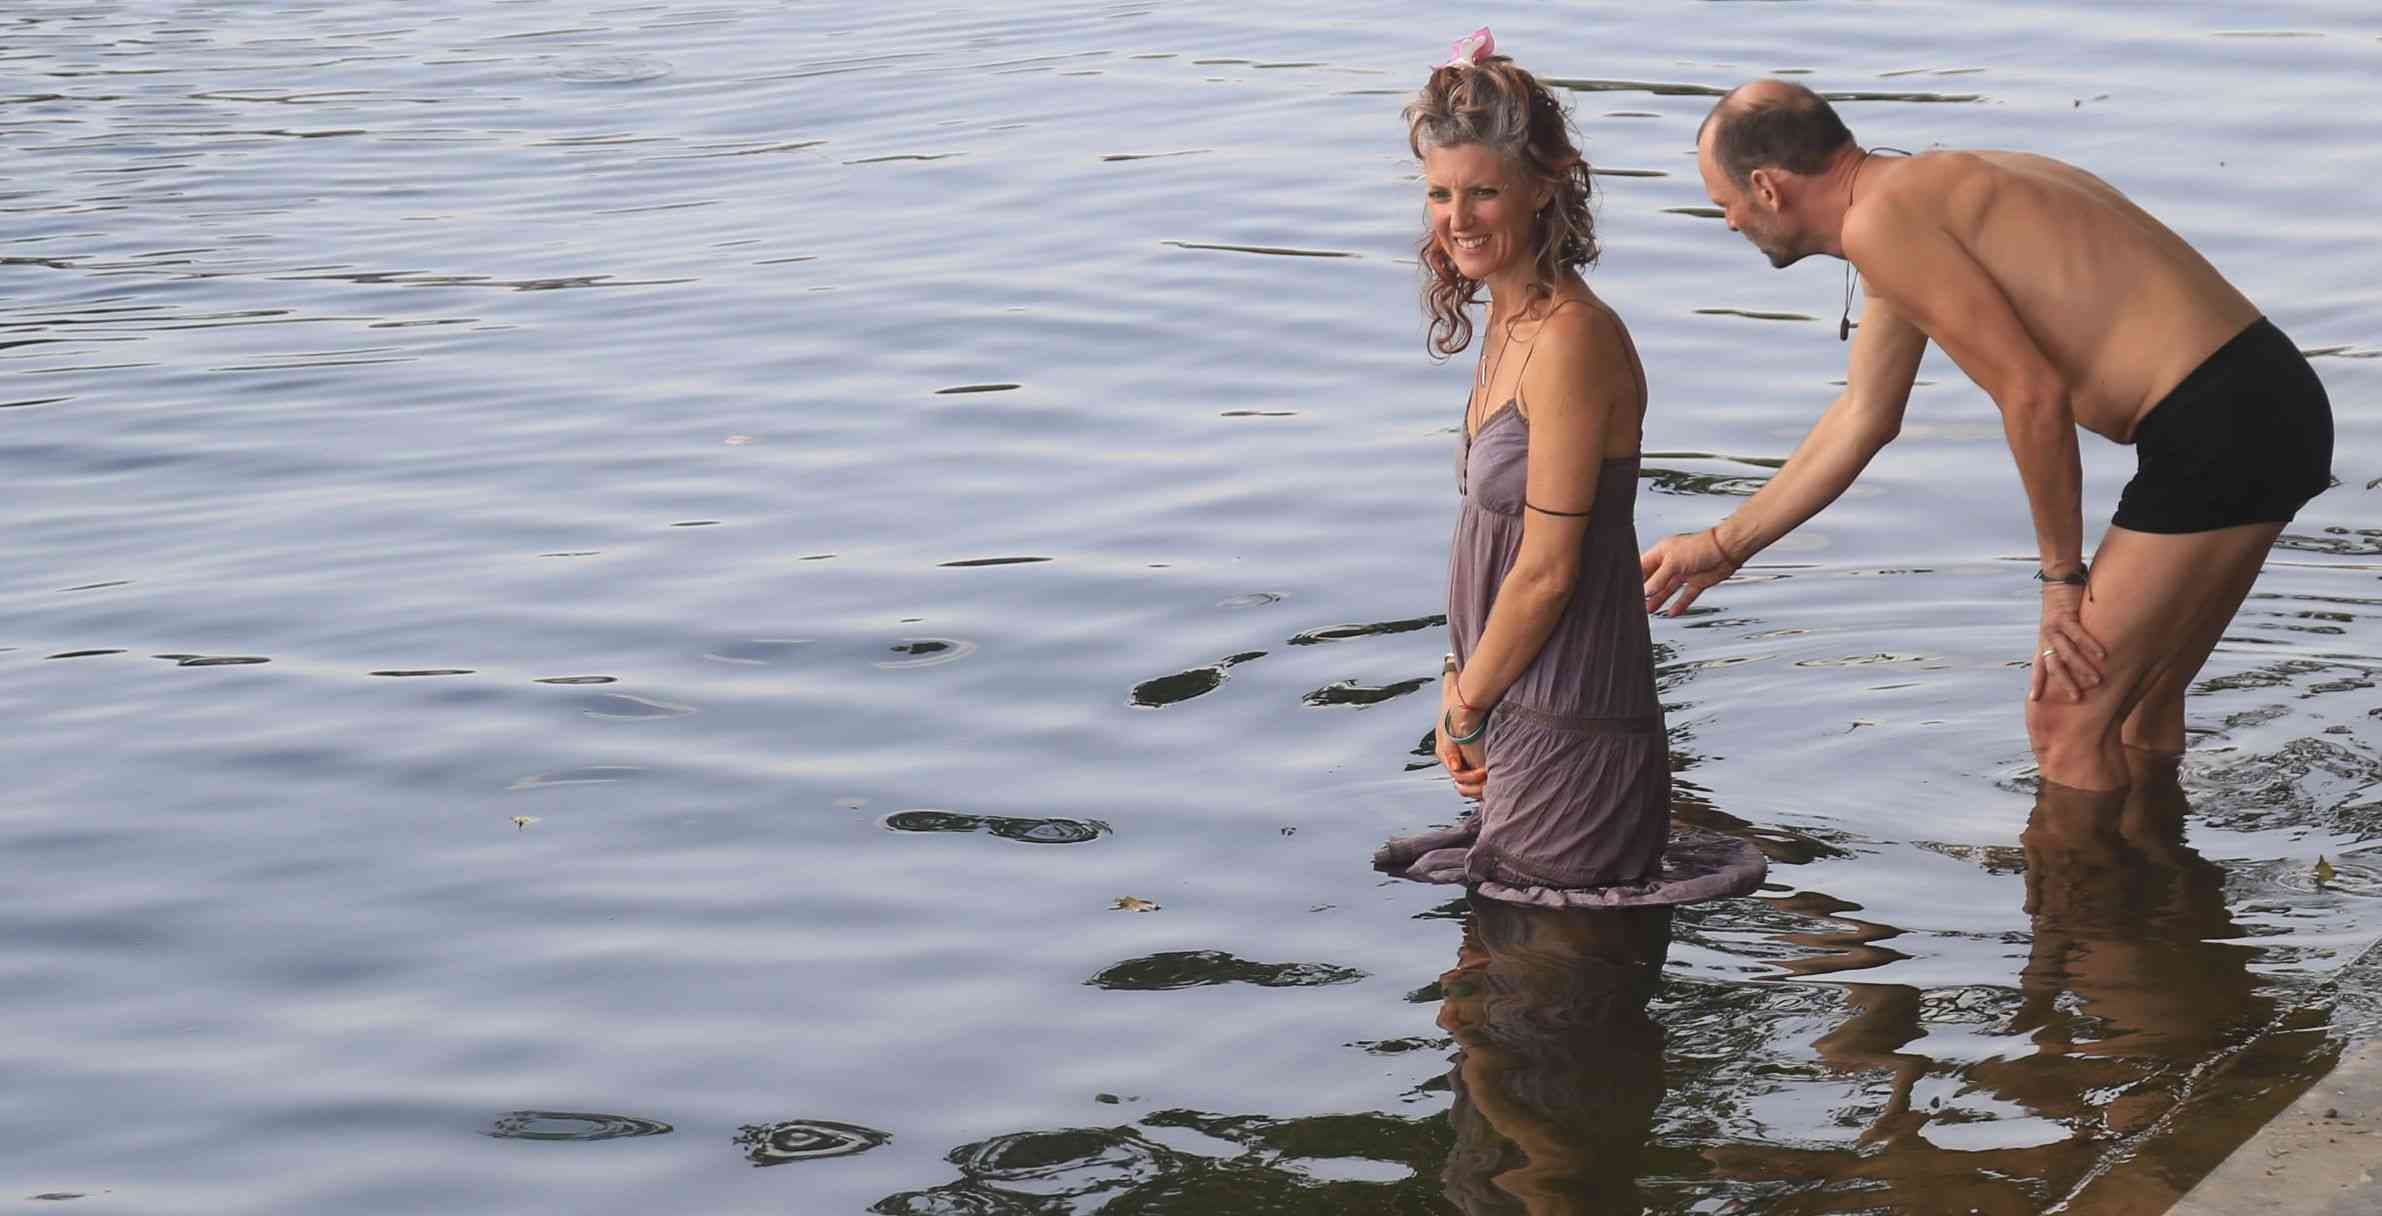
[1447, 726]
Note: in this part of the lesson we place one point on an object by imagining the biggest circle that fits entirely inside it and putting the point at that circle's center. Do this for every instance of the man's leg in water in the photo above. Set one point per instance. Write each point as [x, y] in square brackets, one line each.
[2157, 723]
[2158, 602]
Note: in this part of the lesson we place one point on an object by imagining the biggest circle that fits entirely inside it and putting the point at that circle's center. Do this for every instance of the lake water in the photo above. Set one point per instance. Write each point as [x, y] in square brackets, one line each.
[600, 602]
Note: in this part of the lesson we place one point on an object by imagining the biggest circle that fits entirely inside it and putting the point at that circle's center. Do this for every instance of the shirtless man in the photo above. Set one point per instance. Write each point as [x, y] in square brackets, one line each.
[2070, 307]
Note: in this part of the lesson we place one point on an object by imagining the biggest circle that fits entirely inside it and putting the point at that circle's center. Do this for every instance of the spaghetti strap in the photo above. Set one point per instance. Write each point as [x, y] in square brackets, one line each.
[1560, 305]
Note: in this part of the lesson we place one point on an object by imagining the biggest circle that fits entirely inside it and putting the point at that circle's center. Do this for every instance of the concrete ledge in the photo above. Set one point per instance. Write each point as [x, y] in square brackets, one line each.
[2321, 1157]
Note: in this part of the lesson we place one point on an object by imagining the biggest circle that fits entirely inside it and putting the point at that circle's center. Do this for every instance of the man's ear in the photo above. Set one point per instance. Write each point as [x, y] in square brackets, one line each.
[1763, 186]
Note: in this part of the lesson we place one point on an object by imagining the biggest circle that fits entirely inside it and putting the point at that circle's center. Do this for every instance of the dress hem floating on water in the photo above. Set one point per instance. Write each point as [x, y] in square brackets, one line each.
[1696, 866]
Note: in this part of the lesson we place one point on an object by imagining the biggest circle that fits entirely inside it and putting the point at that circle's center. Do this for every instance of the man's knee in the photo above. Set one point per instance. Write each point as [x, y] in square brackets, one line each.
[2053, 723]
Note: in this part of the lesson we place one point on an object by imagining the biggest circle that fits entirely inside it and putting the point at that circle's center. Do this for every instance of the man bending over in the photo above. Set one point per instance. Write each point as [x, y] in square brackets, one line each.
[2071, 307]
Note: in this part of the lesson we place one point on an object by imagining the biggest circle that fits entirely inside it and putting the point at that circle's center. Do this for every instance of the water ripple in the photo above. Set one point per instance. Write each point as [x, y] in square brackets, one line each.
[1174, 969]
[1349, 692]
[571, 1126]
[623, 707]
[1273, 250]
[806, 1140]
[1026, 831]
[1344, 633]
[927, 652]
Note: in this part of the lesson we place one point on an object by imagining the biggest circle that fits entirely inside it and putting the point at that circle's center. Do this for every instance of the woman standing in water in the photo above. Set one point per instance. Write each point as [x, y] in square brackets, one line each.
[1548, 712]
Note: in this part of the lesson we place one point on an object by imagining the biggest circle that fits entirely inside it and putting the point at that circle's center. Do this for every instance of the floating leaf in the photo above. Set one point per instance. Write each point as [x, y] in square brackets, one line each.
[2324, 871]
[1132, 903]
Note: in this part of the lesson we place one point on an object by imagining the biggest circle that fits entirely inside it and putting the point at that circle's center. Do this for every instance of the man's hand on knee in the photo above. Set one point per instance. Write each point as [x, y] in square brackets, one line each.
[2068, 661]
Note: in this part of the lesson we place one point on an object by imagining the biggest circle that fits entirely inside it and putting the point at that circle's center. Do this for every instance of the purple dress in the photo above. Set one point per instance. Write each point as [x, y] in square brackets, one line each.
[1577, 808]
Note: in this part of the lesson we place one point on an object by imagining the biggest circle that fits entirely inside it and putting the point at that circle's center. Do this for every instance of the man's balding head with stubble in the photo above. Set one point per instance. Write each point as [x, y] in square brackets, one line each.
[1756, 150]
[1773, 124]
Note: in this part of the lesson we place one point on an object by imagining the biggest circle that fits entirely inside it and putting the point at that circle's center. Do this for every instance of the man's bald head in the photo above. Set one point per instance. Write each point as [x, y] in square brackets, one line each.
[1773, 124]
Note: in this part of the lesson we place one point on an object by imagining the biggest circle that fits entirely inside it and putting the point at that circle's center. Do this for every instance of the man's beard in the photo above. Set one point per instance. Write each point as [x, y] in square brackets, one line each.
[1781, 255]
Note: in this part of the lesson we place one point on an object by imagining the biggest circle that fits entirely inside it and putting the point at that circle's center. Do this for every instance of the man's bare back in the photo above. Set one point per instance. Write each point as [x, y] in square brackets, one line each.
[2119, 304]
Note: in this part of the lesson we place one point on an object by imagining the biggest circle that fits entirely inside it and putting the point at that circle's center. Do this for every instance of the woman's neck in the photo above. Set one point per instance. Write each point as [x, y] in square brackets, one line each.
[1513, 296]
[1509, 293]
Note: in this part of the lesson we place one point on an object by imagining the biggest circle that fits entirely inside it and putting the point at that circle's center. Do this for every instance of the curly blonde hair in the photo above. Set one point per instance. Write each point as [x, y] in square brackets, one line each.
[1499, 106]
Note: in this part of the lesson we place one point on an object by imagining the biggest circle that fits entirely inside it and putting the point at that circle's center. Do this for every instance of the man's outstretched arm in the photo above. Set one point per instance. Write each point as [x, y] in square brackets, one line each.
[1863, 419]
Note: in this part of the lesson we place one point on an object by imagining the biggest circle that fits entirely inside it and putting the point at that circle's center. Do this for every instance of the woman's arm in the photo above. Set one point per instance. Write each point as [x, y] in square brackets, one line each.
[1578, 376]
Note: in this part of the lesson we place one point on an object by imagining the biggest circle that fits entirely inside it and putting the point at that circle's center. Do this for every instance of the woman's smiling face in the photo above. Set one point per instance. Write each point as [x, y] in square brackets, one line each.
[1481, 208]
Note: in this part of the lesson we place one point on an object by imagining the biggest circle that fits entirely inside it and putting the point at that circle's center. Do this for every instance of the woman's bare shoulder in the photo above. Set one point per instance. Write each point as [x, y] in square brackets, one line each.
[1580, 334]
[1583, 364]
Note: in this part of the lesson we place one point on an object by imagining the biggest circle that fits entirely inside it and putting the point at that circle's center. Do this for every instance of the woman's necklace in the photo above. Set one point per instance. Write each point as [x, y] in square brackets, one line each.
[1477, 410]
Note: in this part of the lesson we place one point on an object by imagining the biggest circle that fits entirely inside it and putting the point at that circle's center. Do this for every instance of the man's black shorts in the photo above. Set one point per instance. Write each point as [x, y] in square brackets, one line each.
[2246, 438]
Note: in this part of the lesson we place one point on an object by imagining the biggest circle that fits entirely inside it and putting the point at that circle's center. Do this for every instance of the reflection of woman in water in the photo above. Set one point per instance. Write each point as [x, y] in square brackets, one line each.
[1547, 706]
[1560, 1069]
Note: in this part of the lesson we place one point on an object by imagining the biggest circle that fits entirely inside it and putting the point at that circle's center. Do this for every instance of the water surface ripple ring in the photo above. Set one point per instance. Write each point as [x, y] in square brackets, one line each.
[806, 1140]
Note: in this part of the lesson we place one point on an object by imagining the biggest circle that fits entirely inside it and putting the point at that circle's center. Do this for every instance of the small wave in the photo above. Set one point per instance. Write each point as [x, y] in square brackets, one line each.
[1349, 692]
[1254, 599]
[557, 1125]
[756, 652]
[1023, 830]
[957, 1199]
[1270, 250]
[806, 1140]
[1062, 1164]
[1178, 688]
[927, 652]
[623, 707]
[594, 774]
[1754, 315]
[1174, 969]
[1344, 633]
[610, 69]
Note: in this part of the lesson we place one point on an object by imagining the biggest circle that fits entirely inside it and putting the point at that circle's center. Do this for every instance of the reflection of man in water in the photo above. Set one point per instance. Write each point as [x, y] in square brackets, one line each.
[1560, 1068]
[2133, 920]
[2166, 1014]
[2071, 307]
[2136, 998]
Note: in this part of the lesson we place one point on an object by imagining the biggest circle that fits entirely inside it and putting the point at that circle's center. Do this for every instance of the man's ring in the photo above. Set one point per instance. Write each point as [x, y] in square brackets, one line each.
[2050, 653]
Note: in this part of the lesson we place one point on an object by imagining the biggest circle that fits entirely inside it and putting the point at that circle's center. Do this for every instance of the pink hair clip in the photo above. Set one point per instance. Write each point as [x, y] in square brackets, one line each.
[1470, 49]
